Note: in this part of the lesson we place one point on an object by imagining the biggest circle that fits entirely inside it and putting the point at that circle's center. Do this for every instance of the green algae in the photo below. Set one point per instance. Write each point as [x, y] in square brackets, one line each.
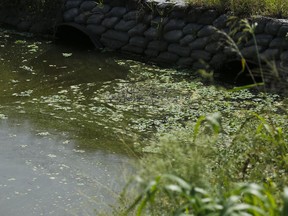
[135, 103]
[101, 101]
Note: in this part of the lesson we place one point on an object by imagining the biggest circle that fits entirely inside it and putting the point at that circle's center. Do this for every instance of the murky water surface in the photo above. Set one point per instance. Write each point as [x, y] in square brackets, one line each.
[63, 151]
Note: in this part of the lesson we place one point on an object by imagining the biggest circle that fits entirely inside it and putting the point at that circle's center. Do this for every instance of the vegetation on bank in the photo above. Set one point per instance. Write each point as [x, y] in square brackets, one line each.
[274, 8]
[233, 161]
[205, 169]
[245, 199]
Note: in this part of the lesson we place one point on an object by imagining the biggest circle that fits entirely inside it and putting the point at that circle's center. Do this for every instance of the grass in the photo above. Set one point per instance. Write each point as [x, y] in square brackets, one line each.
[274, 8]
[205, 170]
[244, 199]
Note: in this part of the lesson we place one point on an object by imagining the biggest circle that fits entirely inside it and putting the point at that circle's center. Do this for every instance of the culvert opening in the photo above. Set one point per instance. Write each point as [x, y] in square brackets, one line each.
[76, 36]
[232, 72]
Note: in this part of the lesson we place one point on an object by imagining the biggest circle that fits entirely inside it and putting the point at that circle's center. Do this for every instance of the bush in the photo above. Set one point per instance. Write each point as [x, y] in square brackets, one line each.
[196, 170]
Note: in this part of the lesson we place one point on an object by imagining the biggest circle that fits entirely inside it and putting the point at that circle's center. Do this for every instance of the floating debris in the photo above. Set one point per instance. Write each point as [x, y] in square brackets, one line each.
[51, 155]
[2, 116]
[66, 55]
[23, 94]
[27, 68]
[43, 134]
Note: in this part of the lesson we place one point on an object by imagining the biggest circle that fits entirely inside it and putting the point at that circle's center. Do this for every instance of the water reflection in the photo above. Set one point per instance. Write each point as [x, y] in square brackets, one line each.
[81, 67]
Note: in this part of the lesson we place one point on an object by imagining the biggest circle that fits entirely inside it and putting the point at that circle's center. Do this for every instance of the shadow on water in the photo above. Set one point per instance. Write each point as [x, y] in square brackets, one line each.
[76, 77]
[268, 78]
[233, 73]
[82, 66]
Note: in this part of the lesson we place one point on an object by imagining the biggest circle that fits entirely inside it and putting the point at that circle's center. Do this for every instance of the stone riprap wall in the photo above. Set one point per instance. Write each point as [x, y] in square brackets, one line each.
[176, 35]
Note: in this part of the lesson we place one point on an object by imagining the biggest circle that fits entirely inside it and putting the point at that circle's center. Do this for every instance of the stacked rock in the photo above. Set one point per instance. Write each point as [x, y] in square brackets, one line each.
[173, 34]
[180, 35]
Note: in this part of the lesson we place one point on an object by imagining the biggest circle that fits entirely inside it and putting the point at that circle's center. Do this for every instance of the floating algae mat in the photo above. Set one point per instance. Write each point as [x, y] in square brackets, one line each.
[72, 122]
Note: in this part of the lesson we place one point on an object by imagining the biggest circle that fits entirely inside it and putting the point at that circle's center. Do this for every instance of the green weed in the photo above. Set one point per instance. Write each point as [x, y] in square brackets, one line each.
[202, 171]
[243, 199]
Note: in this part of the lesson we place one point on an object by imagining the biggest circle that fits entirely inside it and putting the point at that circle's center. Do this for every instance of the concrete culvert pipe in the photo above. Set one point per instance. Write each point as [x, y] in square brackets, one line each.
[77, 35]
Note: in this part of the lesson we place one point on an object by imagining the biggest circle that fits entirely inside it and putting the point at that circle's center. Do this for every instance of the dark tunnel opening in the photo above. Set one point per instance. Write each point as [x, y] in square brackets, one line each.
[76, 36]
[232, 72]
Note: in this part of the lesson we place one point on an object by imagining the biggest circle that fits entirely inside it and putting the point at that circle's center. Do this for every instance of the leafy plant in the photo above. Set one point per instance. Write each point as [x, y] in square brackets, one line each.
[212, 161]
[258, 152]
[244, 199]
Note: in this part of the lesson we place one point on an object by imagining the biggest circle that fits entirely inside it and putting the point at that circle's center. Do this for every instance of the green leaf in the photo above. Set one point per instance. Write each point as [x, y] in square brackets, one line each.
[243, 61]
[285, 200]
[183, 184]
[197, 127]
[20, 42]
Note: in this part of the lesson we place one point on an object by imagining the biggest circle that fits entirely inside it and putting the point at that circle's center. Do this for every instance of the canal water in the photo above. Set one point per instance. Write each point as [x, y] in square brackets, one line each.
[64, 150]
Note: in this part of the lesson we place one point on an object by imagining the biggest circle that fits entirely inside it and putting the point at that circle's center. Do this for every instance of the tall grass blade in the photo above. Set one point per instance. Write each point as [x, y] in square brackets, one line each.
[197, 127]
[246, 87]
